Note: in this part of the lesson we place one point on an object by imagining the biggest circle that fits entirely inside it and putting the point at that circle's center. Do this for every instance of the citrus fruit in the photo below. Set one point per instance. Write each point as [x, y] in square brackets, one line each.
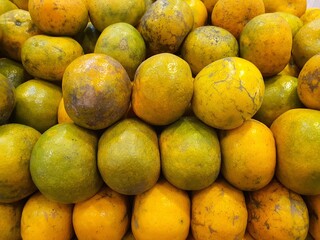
[218, 212]
[10, 220]
[209, 5]
[43, 217]
[88, 38]
[275, 212]
[249, 155]
[291, 69]
[124, 43]
[162, 89]
[63, 164]
[96, 91]
[102, 13]
[266, 41]
[16, 144]
[104, 216]
[310, 15]
[6, 5]
[14, 71]
[8, 99]
[313, 204]
[280, 95]
[63, 116]
[296, 7]
[22, 4]
[16, 26]
[162, 212]
[233, 15]
[128, 157]
[190, 154]
[207, 44]
[59, 17]
[309, 83]
[46, 57]
[165, 24]
[297, 135]
[37, 103]
[294, 21]
[306, 43]
[227, 92]
[199, 11]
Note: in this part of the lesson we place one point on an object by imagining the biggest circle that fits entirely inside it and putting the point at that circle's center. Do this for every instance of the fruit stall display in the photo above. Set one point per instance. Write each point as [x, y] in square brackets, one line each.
[166, 119]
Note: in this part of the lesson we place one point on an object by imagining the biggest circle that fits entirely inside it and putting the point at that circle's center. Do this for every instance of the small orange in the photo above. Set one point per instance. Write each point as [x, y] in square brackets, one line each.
[88, 38]
[14, 71]
[199, 11]
[310, 15]
[309, 83]
[8, 99]
[296, 7]
[43, 217]
[106, 215]
[59, 17]
[294, 21]
[6, 5]
[233, 15]
[62, 114]
[248, 155]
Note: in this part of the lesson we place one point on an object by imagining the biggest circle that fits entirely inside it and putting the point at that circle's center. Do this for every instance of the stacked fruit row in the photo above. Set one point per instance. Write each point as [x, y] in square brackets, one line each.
[172, 119]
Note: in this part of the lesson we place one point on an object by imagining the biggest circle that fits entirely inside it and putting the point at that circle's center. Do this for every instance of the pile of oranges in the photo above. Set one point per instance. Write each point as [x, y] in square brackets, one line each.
[166, 119]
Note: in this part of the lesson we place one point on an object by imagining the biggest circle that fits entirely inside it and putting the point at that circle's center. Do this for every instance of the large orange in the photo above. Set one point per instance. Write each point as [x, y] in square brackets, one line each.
[96, 90]
[297, 135]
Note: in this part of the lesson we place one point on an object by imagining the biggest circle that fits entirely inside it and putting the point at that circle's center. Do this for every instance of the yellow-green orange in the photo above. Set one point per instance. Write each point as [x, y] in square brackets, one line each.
[207, 44]
[16, 144]
[310, 15]
[124, 43]
[46, 57]
[227, 92]
[37, 103]
[190, 154]
[266, 41]
[296, 7]
[8, 99]
[295, 22]
[297, 135]
[162, 89]
[165, 24]
[6, 5]
[96, 90]
[14, 71]
[309, 83]
[63, 164]
[128, 157]
[280, 95]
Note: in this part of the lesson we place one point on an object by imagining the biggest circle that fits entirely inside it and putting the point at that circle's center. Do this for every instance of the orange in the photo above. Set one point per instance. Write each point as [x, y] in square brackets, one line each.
[266, 41]
[190, 154]
[294, 21]
[162, 89]
[63, 164]
[124, 43]
[309, 83]
[96, 91]
[8, 99]
[207, 44]
[233, 15]
[209, 5]
[22, 4]
[59, 17]
[43, 217]
[227, 92]
[14, 71]
[102, 13]
[306, 43]
[37, 103]
[63, 116]
[280, 95]
[88, 38]
[218, 212]
[313, 204]
[165, 24]
[16, 144]
[249, 155]
[46, 57]
[310, 15]
[297, 135]
[296, 7]
[104, 216]
[199, 11]
[6, 5]
[163, 212]
[291, 69]
[10, 220]
[128, 157]
[16, 27]
[276, 212]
